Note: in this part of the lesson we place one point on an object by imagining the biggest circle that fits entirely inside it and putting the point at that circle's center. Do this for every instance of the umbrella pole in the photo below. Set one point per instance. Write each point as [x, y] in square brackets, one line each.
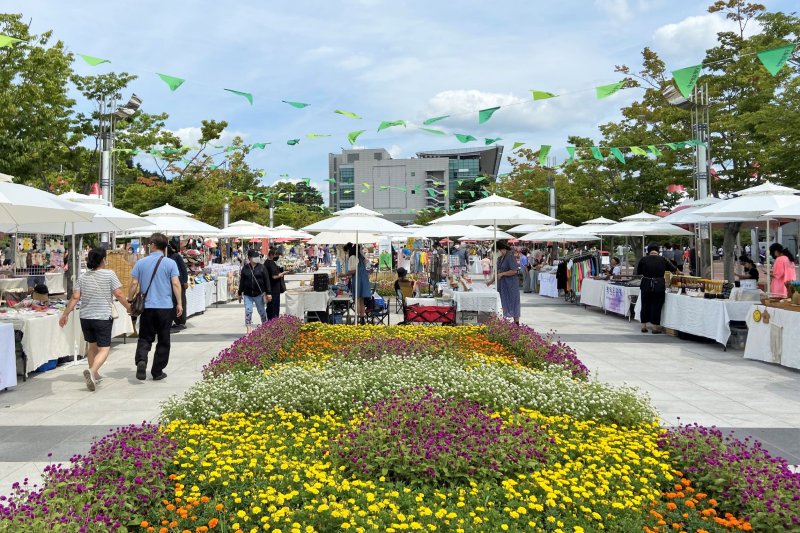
[496, 285]
[75, 266]
[355, 285]
[769, 276]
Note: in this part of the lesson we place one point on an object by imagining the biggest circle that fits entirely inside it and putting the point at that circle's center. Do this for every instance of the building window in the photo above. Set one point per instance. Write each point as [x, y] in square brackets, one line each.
[378, 156]
[352, 158]
[413, 173]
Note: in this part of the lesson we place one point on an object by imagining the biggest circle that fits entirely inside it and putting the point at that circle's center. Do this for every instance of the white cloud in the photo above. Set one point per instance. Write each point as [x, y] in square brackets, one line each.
[694, 35]
[191, 135]
[396, 151]
[355, 62]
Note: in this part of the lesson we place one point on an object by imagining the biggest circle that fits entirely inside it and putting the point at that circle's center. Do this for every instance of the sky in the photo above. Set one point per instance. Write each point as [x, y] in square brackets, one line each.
[382, 59]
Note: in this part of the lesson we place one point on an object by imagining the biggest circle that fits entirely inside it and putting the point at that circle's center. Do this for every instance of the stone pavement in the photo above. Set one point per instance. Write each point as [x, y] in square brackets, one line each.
[53, 413]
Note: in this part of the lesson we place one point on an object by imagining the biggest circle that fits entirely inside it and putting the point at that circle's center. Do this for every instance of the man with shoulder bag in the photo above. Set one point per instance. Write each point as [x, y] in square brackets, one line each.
[156, 281]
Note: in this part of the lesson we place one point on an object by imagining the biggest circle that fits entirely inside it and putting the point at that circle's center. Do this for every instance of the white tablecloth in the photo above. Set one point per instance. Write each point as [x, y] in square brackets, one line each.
[14, 284]
[55, 282]
[701, 317]
[195, 300]
[486, 301]
[617, 298]
[777, 342]
[593, 292]
[300, 302]
[8, 357]
[222, 289]
[210, 289]
[427, 302]
[548, 286]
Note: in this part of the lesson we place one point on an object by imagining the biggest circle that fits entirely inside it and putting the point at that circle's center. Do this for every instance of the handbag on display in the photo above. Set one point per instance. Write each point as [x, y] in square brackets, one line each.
[137, 304]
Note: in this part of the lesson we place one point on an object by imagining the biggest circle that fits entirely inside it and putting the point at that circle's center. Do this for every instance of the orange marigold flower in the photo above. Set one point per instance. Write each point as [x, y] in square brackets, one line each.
[163, 530]
[689, 503]
[219, 507]
[701, 495]
[213, 523]
[686, 482]
[712, 502]
[145, 523]
[205, 499]
[671, 506]
[170, 507]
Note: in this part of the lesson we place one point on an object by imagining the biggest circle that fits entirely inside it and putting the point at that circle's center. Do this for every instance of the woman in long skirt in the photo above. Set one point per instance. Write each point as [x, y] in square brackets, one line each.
[507, 282]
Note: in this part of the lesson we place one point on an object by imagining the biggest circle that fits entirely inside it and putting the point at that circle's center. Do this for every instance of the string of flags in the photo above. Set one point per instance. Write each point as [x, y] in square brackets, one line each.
[685, 79]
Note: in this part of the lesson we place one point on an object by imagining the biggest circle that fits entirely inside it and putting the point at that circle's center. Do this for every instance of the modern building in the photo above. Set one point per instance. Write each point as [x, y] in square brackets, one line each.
[399, 188]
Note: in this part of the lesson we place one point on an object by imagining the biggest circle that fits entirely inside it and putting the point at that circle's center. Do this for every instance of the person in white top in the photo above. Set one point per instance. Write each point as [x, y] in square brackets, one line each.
[616, 269]
[95, 290]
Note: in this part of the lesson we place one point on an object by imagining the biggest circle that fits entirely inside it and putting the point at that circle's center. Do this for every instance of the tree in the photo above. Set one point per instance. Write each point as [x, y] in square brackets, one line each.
[299, 192]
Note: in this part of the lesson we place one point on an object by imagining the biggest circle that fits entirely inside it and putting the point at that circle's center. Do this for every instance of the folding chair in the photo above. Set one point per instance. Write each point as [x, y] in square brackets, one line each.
[376, 314]
[406, 291]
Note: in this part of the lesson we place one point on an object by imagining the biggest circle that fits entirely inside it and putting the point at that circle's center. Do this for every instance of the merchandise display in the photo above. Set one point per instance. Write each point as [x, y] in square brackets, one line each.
[774, 335]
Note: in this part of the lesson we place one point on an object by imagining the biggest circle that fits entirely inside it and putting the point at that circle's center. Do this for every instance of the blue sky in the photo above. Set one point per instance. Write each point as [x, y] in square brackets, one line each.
[385, 60]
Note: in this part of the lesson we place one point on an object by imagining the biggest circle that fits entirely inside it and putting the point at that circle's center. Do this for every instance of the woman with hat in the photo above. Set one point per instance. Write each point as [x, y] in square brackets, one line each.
[255, 285]
[652, 268]
[507, 282]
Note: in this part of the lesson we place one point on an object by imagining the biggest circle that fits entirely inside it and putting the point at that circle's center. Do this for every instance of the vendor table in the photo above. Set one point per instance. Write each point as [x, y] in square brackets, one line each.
[14, 284]
[298, 303]
[8, 357]
[777, 342]
[618, 298]
[210, 289]
[593, 292]
[195, 300]
[701, 317]
[478, 301]
[548, 285]
[222, 290]
[55, 282]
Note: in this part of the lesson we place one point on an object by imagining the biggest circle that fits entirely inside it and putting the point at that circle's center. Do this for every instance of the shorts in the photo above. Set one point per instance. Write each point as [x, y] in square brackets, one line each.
[487, 272]
[97, 330]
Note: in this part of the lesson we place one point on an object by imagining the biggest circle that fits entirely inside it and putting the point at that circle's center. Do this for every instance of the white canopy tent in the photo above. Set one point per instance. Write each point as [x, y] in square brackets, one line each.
[167, 209]
[327, 237]
[485, 234]
[245, 230]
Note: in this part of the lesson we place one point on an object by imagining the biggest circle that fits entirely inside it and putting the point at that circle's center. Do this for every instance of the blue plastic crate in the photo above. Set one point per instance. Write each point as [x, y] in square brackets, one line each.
[50, 365]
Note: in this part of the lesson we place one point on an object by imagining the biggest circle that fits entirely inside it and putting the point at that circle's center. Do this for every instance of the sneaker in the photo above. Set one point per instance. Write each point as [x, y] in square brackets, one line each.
[90, 382]
[160, 376]
[141, 371]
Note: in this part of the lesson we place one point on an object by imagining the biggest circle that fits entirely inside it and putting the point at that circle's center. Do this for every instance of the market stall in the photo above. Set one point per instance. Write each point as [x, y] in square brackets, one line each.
[195, 300]
[593, 292]
[478, 300]
[773, 336]
[299, 303]
[709, 318]
[618, 298]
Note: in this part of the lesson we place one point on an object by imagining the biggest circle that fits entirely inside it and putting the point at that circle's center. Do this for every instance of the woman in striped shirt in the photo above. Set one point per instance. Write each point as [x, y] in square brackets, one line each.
[95, 290]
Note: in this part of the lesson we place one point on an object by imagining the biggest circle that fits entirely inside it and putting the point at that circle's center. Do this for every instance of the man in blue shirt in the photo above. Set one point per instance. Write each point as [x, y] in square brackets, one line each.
[158, 278]
[526, 271]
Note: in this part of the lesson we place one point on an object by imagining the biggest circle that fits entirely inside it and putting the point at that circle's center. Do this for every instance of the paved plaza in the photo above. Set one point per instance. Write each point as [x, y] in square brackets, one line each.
[52, 416]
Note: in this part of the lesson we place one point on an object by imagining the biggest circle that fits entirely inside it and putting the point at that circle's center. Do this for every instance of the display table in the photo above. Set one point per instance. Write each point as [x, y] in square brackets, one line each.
[701, 317]
[222, 290]
[777, 342]
[14, 285]
[55, 282]
[617, 298]
[8, 357]
[195, 300]
[548, 285]
[298, 303]
[479, 301]
[210, 288]
[593, 292]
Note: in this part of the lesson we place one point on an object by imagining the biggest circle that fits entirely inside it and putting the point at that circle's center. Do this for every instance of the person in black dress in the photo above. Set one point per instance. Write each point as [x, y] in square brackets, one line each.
[276, 278]
[652, 268]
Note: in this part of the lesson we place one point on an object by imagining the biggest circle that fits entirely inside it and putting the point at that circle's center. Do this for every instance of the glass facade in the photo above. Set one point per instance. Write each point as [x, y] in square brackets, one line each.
[347, 194]
[462, 169]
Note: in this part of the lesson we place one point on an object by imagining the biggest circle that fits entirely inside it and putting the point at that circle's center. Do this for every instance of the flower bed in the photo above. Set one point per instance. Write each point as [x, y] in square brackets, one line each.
[491, 428]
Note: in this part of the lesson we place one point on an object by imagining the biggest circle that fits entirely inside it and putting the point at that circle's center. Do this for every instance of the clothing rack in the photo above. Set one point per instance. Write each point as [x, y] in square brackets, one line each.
[584, 264]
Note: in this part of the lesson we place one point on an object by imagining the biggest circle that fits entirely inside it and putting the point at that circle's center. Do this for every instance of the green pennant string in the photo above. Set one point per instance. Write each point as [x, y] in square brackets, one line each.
[541, 95]
[435, 132]
[401, 189]
[597, 153]
[172, 82]
[93, 61]
[307, 181]
[636, 150]
[480, 179]
[260, 146]
[604, 91]
[227, 149]
[293, 142]
[353, 135]
[471, 193]
[543, 152]
[214, 167]
[672, 146]
[298, 105]
[435, 119]
[542, 189]
[616, 152]
[431, 192]
[686, 78]
[654, 150]
[485, 114]
[349, 114]
[390, 124]
[517, 145]
[366, 185]
[243, 94]
[464, 138]
[317, 135]
[331, 180]
[773, 59]
[571, 153]
[488, 141]
[5, 40]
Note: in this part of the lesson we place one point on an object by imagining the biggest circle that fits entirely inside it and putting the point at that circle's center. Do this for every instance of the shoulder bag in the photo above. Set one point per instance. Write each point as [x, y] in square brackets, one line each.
[137, 304]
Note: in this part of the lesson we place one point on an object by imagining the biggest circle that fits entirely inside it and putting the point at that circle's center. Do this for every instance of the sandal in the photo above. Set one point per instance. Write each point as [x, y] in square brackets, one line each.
[644, 329]
[657, 331]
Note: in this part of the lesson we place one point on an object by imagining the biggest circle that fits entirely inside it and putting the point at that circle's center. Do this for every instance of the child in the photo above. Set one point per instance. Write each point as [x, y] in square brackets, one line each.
[486, 263]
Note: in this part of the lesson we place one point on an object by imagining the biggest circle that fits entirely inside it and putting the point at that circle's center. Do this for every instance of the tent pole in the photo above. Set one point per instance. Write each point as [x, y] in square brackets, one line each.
[769, 257]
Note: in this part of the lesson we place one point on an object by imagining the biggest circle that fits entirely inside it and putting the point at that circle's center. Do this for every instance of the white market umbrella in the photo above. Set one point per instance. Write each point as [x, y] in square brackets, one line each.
[485, 234]
[642, 216]
[438, 231]
[167, 209]
[244, 229]
[789, 211]
[20, 204]
[642, 229]
[358, 220]
[327, 237]
[527, 228]
[173, 225]
[600, 221]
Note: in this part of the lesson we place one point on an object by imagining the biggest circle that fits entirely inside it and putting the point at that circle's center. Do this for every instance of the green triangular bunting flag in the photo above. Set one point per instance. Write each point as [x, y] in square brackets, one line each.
[171, 81]
[346, 113]
[487, 141]
[543, 152]
[292, 142]
[316, 135]
[686, 78]
[541, 95]
[616, 152]
[597, 153]
[298, 105]
[774, 59]
[464, 138]
[571, 153]
[638, 150]
[240, 93]
[259, 145]
[486, 114]
[604, 91]
[93, 61]
[391, 123]
[435, 132]
[654, 150]
[5, 40]
[435, 119]
[517, 145]
[353, 135]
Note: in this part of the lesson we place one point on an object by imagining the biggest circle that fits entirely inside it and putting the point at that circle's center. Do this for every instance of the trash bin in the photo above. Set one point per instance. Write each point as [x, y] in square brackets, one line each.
[738, 337]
